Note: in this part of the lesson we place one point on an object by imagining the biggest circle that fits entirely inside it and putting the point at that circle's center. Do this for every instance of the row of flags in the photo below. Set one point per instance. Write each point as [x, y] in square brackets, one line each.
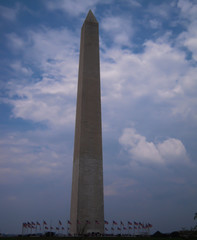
[120, 226]
[135, 224]
[128, 226]
[37, 225]
[34, 227]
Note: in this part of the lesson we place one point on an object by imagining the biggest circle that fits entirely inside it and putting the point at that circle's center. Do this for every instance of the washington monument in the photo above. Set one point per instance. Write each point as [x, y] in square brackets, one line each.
[87, 204]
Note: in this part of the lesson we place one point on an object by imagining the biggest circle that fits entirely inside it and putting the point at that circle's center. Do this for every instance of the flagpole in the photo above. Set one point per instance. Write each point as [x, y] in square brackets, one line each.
[133, 229]
[50, 227]
[120, 228]
[22, 228]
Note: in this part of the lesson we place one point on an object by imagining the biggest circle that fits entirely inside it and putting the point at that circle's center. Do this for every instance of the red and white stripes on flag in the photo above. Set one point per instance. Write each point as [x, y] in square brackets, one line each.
[121, 226]
[25, 225]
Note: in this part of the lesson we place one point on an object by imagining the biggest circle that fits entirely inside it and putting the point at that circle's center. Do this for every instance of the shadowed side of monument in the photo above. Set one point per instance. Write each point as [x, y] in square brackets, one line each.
[87, 204]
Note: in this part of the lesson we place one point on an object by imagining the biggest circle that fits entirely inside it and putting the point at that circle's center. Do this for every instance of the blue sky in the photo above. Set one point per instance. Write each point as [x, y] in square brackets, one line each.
[148, 54]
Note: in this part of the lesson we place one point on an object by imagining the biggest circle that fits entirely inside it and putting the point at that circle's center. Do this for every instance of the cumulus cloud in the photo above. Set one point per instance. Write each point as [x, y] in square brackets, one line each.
[141, 150]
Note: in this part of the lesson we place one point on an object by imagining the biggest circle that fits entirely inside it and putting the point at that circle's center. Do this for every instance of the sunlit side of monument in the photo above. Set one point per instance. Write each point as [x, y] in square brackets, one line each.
[87, 204]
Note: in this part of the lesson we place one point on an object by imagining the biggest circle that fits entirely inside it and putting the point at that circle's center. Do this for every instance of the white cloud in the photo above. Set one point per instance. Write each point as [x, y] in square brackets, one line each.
[161, 72]
[161, 10]
[172, 150]
[154, 23]
[189, 37]
[44, 109]
[51, 53]
[119, 185]
[167, 152]
[18, 67]
[134, 3]
[16, 43]
[119, 29]
[33, 155]
[188, 9]
[73, 7]
[9, 14]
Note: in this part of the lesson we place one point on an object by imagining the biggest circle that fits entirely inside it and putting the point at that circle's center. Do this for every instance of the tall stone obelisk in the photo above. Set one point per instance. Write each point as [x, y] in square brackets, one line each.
[87, 204]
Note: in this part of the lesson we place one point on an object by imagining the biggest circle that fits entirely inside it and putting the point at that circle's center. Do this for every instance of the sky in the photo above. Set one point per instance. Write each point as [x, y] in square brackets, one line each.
[148, 60]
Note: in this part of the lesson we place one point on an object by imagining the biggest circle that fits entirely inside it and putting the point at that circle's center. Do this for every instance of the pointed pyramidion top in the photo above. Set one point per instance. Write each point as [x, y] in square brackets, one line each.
[90, 17]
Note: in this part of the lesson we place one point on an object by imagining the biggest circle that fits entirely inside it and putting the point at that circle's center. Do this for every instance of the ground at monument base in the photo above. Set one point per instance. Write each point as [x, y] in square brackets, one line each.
[97, 238]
